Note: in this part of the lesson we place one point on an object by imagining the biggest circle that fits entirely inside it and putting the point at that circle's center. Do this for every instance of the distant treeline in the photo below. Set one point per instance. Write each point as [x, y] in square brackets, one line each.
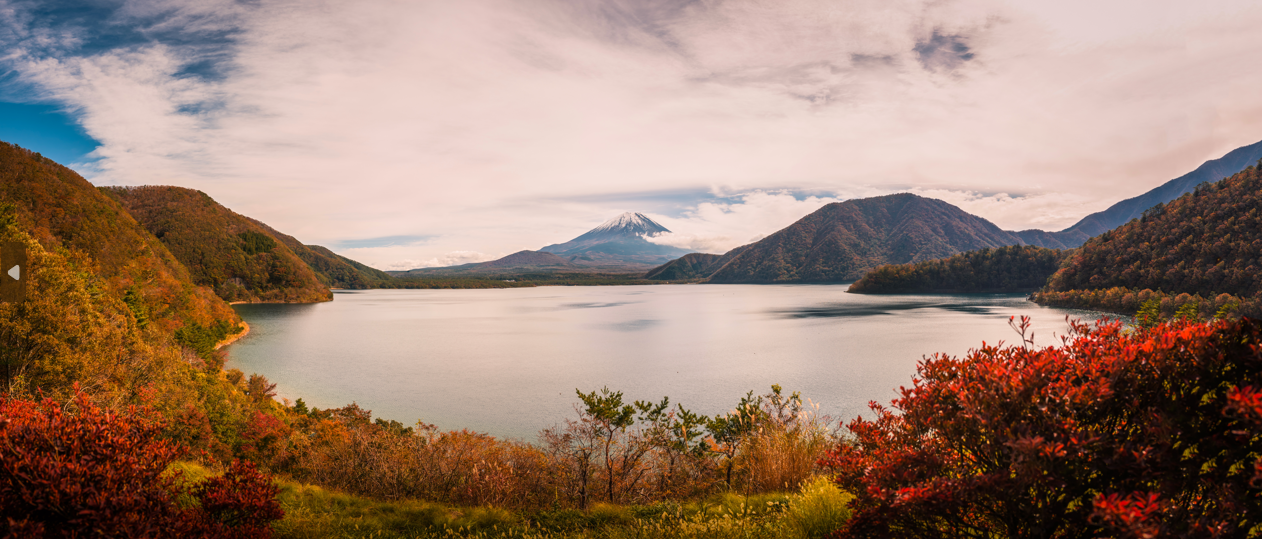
[1017, 268]
[1128, 302]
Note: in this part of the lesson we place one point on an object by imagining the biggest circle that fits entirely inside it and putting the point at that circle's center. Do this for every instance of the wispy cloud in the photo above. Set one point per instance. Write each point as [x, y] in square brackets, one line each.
[454, 258]
[384, 241]
[494, 126]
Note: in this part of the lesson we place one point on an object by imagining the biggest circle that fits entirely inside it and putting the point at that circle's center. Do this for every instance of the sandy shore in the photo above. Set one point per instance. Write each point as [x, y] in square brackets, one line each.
[233, 338]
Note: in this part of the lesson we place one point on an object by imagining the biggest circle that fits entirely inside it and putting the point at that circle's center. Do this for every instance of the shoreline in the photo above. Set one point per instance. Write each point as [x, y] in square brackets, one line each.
[234, 338]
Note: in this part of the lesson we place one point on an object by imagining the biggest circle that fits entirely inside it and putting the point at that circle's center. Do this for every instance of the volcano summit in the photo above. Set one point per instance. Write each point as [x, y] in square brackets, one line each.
[618, 241]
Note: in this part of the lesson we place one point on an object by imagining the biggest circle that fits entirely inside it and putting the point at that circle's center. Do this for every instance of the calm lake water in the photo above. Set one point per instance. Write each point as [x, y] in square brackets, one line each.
[507, 361]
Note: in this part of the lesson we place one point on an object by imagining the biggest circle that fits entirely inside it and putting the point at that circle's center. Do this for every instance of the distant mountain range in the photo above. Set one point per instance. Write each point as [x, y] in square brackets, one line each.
[844, 240]
[617, 245]
[1132, 208]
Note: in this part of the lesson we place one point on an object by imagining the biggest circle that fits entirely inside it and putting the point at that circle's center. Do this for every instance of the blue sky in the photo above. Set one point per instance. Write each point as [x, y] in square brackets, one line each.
[431, 132]
[46, 129]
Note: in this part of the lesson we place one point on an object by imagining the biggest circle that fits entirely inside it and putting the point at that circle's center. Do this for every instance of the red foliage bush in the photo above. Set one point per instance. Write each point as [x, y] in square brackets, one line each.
[100, 473]
[1154, 433]
[262, 438]
[241, 501]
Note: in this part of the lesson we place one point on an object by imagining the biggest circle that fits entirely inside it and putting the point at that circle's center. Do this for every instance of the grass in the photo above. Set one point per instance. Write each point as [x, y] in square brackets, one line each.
[314, 512]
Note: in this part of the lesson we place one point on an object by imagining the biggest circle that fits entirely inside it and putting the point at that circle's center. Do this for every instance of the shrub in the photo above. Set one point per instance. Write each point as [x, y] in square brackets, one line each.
[819, 509]
[94, 470]
[1144, 434]
[102, 473]
[241, 500]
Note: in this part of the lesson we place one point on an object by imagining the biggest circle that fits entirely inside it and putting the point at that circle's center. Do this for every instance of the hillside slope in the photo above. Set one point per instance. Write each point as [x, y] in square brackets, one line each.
[844, 240]
[1205, 243]
[333, 270]
[693, 266]
[225, 251]
[107, 304]
[60, 209]
[687, 267]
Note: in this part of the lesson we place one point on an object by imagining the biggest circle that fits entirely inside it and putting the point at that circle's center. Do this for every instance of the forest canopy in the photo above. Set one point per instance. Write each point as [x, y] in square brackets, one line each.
[1017, 268]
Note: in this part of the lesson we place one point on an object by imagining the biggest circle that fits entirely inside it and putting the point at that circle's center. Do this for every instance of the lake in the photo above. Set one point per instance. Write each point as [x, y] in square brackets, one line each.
[507, 361]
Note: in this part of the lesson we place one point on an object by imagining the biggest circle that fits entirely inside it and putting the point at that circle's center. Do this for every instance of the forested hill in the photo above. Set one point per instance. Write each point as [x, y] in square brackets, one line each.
[1016, 268]
[844, 240]
[106, 303]
[332, 269]
[225, 251]
[1204, 244]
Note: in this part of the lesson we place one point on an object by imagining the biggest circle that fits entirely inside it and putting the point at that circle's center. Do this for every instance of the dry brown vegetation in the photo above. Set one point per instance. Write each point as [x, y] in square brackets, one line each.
[612, 452]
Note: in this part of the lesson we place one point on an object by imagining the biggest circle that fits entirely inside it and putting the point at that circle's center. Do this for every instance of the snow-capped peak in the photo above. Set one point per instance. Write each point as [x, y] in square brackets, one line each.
[623, 238]
[631, 222]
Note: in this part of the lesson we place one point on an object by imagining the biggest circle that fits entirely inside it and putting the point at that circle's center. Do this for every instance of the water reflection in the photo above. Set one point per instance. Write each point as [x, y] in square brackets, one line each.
[844, 310]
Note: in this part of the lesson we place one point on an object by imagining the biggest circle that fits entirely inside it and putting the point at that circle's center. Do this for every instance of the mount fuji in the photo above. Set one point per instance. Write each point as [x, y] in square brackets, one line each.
[620, 241]
[618, 245]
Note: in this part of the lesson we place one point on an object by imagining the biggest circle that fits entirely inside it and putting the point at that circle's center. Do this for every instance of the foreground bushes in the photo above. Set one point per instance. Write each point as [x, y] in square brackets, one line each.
[613, 452]
[1155, 433]
[100, 473]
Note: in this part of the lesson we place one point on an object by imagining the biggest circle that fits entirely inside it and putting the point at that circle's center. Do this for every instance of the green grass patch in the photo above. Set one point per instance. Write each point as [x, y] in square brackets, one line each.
[313, 512]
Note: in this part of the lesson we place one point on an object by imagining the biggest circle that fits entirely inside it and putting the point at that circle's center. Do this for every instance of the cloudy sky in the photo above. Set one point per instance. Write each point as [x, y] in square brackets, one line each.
[408, 133]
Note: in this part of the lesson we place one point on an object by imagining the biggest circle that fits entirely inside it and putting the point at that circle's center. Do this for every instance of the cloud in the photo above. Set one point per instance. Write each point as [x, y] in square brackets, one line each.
[943, 52]
[1046, 211]
[718, 227]
[494, 126]
[384, 241]
[454, 258]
